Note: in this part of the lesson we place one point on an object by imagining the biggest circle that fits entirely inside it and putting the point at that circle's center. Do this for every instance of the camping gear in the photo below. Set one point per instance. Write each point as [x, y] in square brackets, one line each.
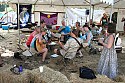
[5, 27]
[85, 72]
[17, 55]
[117, 43]
[15, 70]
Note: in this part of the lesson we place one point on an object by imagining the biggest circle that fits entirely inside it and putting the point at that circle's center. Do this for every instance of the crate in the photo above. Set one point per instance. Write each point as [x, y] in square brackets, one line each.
[5, 27]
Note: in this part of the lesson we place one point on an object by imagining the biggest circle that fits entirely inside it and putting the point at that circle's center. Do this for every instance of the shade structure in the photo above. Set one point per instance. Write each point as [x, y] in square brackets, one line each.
[97, 3]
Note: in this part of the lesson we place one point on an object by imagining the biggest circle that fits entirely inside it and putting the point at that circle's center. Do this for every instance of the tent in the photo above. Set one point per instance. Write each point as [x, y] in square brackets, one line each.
[76, 3]
[61, 6]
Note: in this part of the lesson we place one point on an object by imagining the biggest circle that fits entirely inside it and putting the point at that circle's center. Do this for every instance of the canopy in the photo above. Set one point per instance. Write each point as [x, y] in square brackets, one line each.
[97, 3]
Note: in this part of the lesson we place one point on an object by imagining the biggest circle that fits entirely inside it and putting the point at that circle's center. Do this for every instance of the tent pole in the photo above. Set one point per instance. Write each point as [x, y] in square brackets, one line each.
[111, 13]
[90, 11]
[18, 20]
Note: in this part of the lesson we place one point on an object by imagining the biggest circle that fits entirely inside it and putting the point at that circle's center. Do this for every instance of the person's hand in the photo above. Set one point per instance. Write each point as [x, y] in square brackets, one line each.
[43, 33]
[59, 42]
[100, 41]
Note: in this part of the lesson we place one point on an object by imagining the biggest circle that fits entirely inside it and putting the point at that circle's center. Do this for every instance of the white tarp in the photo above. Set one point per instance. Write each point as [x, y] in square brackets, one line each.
[74, 15]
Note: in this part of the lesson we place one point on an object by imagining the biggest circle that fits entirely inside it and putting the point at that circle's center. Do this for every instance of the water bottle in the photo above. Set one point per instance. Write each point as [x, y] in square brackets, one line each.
[20, 68]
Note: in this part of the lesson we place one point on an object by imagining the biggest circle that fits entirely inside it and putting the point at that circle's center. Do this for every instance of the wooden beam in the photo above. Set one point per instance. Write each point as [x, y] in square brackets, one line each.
[63, 2]
[35, 2]
[114, 3]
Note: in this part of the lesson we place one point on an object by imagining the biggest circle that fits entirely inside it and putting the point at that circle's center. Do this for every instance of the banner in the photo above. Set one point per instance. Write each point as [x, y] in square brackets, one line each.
[25, 14]
[50, 19]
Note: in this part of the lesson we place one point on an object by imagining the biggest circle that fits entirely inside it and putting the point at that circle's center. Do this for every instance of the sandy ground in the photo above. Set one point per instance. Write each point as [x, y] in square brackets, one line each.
[10, 42]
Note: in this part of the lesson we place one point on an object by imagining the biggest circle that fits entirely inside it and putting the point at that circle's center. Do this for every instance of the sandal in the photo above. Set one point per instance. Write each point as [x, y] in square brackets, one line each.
[1, 65]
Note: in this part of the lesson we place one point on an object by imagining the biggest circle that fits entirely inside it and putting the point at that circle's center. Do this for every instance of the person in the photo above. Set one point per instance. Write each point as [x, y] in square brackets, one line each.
[108, 61]
[38, 46]
[104, 19]
[1, 64]
[69, 50]
[87, 34]
[123, 20]
[64, 30]
[78, 28]
[36, 31]
[94, 29]
[47, 30]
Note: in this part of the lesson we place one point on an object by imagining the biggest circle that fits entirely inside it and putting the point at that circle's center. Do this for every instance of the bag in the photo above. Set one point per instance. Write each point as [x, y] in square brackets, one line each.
[93, 51]
[118, 41]
[15, 70]
[85, 72]
[17, 55]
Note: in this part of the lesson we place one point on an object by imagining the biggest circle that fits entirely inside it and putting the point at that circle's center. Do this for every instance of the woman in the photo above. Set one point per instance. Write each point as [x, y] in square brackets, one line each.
[38, 46]
[104, 19]
[108, 61]
[36, 31]
[69, 50]
[87, 34]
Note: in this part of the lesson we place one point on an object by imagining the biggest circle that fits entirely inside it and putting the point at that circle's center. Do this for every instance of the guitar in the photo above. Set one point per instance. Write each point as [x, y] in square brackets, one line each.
[40, 45]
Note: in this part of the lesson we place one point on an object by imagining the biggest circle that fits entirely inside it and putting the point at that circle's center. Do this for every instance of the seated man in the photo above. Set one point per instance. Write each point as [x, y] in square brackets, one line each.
[38, 45]
[71, 47]
[64, 30]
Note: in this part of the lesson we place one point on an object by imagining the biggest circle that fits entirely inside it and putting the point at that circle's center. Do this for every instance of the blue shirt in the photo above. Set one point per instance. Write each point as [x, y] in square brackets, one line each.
[66, 30]
[84, 37]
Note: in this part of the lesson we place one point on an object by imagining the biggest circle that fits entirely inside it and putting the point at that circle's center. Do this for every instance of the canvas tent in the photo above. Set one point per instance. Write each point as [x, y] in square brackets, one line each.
[61, 6]
[76, 3]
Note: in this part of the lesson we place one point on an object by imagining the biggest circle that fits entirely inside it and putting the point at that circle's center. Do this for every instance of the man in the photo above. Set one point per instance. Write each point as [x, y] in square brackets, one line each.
[64, 30]
[123, 20]
[46, 30]
[71, 47]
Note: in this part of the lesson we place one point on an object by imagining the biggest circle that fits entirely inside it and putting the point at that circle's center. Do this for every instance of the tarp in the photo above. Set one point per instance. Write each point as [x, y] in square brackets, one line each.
[97, 3]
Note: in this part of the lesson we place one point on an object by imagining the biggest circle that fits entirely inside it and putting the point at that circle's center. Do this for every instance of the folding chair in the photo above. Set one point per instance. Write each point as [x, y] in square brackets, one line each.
[22, 45]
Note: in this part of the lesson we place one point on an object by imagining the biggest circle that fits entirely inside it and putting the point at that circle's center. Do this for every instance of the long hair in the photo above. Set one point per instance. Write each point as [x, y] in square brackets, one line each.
[111, 28]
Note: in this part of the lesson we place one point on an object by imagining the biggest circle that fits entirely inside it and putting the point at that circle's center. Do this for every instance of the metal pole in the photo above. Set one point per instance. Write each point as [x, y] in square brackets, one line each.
[90, 11]
[6, 11]
[18, 20]
[111, 13]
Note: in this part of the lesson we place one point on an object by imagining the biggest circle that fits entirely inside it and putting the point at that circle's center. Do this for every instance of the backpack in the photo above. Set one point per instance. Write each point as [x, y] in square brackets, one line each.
[117, 40]
[85, 72]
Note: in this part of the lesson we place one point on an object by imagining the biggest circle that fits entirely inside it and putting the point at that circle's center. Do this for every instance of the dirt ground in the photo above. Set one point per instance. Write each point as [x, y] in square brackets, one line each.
[10, 42]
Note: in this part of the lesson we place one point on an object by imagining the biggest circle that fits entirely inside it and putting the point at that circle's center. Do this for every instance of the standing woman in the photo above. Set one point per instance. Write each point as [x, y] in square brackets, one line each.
[108, 61]
[104, 19]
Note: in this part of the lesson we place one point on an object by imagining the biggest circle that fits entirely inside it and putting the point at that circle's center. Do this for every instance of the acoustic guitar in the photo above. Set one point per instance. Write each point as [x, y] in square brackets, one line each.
[40, 45]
